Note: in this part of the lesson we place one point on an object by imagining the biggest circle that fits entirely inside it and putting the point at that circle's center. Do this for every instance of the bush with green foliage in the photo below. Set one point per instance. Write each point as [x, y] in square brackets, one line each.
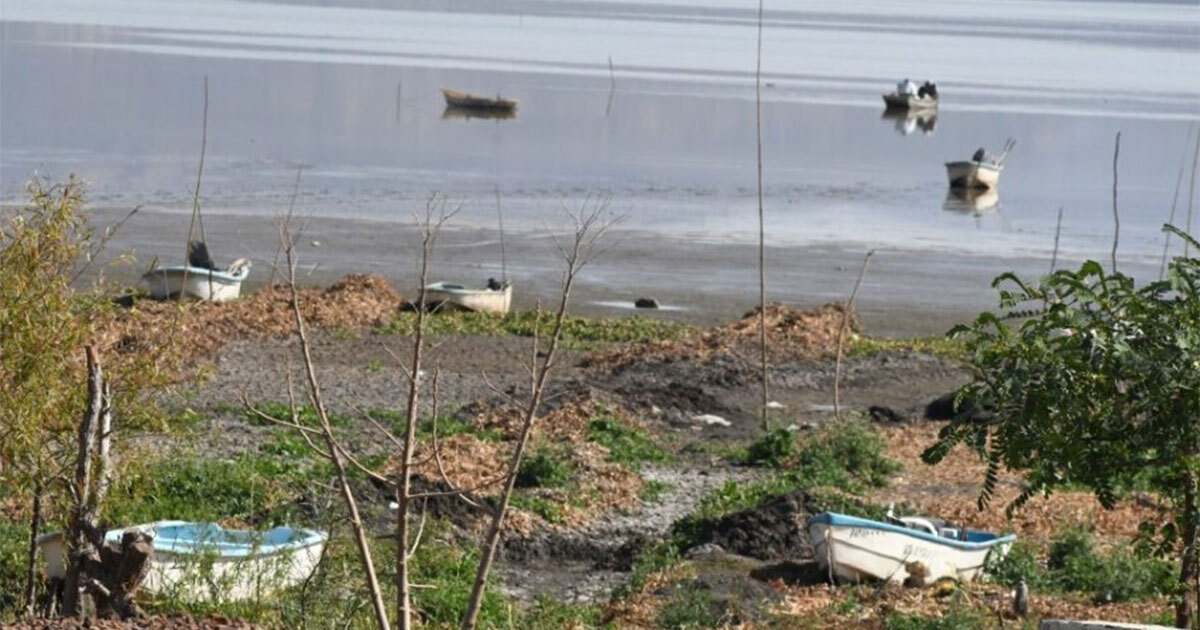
[1097, 387]
[545, 467]
[625, 444]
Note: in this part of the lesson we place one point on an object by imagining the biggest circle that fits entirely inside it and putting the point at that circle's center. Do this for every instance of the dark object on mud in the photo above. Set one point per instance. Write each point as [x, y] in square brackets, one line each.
[198, 256]
[645, 303]
[771, 531]
[880, 413]
[942, 408]
[623, 557]
[792, 573]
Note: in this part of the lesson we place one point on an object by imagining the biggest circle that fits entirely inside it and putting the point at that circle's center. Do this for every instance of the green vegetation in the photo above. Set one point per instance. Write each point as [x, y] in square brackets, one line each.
[956, 619]
[14, 544]
[545, 467]
[861, 345]
[653, 490]
[1074, 564]
[544, 507]
[577, 331]
[305, 415]
[1096, 387]
[690, 607]
[848, 456]
[626, 444]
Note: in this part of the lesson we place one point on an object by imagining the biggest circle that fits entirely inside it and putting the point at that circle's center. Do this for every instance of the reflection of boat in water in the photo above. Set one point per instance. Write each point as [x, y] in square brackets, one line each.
[908, 121]
[971, 200]
[455, 98]
[466, 113]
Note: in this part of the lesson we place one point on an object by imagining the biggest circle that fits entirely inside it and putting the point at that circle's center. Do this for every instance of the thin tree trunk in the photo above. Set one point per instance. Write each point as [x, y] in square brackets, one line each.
[403, 491]
[762, 247]
[79, 541]
[35, 525]
[1185, 611]
[335, 455]
[1116, 216]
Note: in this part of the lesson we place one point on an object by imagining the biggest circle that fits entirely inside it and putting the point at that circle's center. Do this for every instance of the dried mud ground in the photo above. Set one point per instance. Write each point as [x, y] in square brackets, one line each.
[583, 561]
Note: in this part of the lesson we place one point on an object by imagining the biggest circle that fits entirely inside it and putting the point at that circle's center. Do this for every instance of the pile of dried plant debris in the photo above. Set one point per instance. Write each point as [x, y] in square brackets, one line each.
[791, 334]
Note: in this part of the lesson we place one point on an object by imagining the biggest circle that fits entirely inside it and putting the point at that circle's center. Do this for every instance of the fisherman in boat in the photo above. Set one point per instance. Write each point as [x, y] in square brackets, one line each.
[929, 89]
[906, 87]
[981, 155]
[494, 285]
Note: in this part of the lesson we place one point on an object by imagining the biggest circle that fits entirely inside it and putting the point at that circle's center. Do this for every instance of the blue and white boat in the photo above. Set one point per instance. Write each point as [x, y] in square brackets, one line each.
[922, 548]
[206, 562]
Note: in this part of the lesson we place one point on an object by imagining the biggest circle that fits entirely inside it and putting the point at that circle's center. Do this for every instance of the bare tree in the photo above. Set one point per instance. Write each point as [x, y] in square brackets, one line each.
[762, 243]
[590, 225]
[837, 374]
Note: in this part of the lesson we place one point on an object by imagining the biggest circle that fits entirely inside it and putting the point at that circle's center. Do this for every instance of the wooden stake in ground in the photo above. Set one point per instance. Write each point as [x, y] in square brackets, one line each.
[846, 310]
[1116, 216]
[762, 247]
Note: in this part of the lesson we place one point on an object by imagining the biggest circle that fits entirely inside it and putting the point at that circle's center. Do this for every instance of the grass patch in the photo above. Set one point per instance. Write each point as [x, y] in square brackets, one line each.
[958, 619]
[545, 467]
[625, 444]
[848, 456]
[14, 541]
[548, 509]
[577, 331]
[306, 416]
[1073, 564]
[653, 490]
[690, 607]
[861, 345]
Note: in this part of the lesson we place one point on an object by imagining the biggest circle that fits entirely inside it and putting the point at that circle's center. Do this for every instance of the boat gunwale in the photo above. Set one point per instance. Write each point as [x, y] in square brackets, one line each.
[198, 272]
[834, 519]
[990, 166]
[305, 539]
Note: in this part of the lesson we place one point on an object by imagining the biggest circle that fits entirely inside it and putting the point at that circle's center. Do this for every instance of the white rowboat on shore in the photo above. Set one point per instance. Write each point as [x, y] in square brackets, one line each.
[205, 562]
[859, 548]
[483, 300]
[203, 284]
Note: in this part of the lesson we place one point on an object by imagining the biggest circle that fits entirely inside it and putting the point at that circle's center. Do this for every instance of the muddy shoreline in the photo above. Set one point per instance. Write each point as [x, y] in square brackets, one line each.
[905, 293]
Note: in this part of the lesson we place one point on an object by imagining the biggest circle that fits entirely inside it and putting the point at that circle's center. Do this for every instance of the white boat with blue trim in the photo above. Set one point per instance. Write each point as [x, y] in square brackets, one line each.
[922, 548]
[206, 562]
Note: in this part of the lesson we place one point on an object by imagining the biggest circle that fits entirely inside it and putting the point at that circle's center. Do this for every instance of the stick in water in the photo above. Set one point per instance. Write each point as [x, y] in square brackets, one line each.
[1057, 231]
[1162, 269]
[837, 370]
[1116, 217]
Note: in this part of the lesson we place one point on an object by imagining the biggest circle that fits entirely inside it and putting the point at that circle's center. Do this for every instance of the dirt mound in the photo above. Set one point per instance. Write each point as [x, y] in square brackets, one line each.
[200, 329]
[155, 622]
[791, 333]
[771, 531]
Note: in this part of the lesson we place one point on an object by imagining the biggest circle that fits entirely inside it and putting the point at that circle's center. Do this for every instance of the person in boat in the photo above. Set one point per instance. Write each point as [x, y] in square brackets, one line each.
[981, 155]
[929, 89]
[198, 256]
[906, 87]
[494, 285]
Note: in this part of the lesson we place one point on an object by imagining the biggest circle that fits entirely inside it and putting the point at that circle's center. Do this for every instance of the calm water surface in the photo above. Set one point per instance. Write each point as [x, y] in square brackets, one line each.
[112, 91]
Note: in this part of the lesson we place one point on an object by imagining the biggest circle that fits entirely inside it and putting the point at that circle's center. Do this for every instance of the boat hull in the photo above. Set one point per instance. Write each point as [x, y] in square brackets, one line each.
[455, 98]
[202, 284]
[479, 300]
[908, 101]
[861, 549]
[973, 175]
[211, 571]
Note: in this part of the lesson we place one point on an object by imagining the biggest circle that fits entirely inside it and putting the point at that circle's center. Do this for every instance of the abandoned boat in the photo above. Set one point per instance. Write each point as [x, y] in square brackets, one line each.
[494, 298]
[205, 562]
[921, 548]
[455, 98]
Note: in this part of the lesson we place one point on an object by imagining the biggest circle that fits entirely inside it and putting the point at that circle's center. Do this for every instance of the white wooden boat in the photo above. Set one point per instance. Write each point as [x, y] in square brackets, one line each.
[456, 98]
[205, 562]
[204, 284]
[896, 100]
[859, 548]
[483, 300]
[972, 174]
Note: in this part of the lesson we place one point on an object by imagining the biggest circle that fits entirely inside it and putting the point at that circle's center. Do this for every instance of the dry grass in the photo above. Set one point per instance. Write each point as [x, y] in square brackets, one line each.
[791, 334]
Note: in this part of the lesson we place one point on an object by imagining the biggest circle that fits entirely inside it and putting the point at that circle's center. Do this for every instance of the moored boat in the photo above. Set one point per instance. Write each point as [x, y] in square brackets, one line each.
[855, 549]
[973, 175]
[896, 100]
[205, 562]
[456, 98]
[198, 282]
[485, 300]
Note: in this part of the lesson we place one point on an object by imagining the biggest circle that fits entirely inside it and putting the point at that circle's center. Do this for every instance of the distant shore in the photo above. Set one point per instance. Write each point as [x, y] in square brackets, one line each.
[905, 293]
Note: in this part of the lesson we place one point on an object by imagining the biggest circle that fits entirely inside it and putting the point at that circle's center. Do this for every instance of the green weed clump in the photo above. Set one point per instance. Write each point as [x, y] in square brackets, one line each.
[577, 331]
[848, 456]
[545, 468]
[1073, 564]
[958, 619]
[14, 541]
[690, 607]
[625, 444]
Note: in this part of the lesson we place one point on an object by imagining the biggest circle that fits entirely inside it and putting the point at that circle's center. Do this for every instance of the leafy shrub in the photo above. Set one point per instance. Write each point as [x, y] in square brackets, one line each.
[848, 456]
[625, 444]
[690, 607]
[545, 468]
[772, 449]
[958, 619]
[14, 541]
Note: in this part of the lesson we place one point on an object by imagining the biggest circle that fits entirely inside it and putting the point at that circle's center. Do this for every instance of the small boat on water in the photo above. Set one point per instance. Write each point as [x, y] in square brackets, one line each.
[205, 562]
[896, 100]
[919, 547]
[456, 98]
[454, 112]
[204, 284]
[980, 172]
[495, 298]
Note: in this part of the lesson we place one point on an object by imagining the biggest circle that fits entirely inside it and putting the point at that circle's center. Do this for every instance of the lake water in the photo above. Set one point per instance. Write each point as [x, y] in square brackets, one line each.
[113, 92]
